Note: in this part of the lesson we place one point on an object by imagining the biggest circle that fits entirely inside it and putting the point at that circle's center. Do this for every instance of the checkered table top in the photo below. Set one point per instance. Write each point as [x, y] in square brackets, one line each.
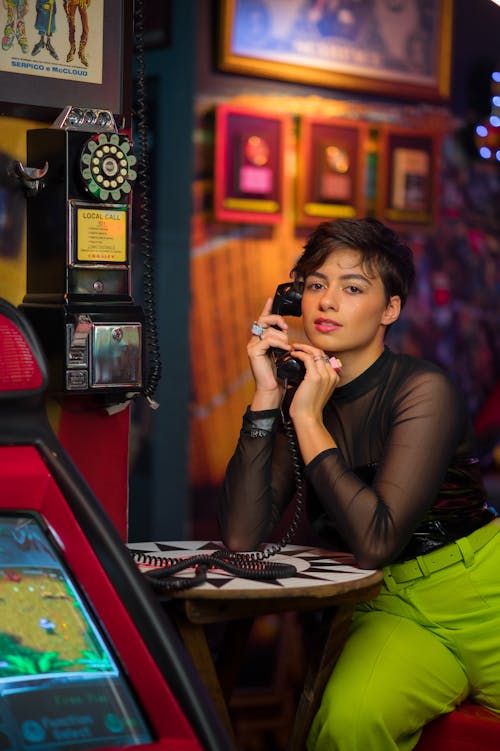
[315, 568]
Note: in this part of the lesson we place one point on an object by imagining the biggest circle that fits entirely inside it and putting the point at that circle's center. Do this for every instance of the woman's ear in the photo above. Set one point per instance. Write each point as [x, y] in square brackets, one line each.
[392, 310]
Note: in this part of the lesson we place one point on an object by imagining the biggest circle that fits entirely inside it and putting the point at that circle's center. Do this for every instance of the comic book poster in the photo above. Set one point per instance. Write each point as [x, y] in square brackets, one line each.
[60, 39]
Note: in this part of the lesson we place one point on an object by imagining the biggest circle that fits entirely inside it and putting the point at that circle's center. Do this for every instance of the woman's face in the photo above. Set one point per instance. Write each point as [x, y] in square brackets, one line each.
[345, 308]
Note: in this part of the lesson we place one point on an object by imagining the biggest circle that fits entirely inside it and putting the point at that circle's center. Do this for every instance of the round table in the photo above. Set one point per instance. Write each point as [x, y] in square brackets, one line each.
[325, 581]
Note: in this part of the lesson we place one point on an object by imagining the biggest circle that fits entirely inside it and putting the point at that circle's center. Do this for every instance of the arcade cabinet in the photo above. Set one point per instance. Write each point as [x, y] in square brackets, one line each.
[88, 659]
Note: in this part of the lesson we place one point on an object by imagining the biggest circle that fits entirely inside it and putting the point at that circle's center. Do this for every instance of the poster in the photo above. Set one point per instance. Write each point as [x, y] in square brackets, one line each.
[58, 39]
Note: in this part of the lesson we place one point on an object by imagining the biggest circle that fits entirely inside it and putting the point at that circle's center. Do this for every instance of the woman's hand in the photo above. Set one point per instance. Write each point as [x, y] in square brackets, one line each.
[306, 408]
[268, 390]
[321, 378]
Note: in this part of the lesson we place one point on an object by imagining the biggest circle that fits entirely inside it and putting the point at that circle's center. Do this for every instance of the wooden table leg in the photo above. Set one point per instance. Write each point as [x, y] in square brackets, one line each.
[231, 654]
[193, 636]
[324, 649]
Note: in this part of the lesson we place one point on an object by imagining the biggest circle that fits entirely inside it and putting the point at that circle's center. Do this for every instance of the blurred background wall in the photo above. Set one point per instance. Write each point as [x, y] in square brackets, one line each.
[212, 277]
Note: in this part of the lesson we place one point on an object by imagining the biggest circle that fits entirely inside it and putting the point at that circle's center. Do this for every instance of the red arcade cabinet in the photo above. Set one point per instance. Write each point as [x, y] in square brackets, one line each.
[88, 659]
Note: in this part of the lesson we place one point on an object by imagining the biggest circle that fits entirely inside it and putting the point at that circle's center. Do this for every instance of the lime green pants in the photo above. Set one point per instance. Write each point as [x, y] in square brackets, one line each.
[413, 654]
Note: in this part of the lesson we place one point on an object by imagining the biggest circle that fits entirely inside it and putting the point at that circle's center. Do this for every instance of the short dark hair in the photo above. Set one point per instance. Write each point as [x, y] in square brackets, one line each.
[381, 249]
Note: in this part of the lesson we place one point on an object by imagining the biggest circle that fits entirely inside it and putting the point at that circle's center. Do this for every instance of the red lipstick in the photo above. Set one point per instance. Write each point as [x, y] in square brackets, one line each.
[326, 325]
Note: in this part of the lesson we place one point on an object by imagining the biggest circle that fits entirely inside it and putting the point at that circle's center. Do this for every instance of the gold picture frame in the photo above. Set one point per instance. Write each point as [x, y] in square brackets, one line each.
[332, 169]
[407, 176]
[392, 49]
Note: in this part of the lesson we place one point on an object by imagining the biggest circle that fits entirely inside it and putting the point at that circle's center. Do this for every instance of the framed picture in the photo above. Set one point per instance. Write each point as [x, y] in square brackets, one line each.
[331, 169]
[249, 161]
[49, 60]
[408, 175]
[392, 48]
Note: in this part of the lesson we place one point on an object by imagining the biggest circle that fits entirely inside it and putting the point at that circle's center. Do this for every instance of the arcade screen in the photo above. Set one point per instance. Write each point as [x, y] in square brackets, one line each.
[60, 685]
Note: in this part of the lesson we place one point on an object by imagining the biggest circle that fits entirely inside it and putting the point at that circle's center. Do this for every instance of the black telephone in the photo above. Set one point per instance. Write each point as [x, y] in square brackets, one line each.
[287, 302]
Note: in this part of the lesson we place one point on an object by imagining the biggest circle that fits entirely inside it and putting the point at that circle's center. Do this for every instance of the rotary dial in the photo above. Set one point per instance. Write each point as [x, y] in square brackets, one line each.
[106, 165]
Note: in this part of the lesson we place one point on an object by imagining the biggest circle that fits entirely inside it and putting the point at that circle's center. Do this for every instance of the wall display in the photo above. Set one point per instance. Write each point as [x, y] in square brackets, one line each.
[331, 169]
[386, 47]
[54, 54]
[407, 175]
[249, 160]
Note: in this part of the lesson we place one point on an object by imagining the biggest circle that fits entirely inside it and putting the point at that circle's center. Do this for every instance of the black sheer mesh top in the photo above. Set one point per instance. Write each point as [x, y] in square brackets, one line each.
[403, 480]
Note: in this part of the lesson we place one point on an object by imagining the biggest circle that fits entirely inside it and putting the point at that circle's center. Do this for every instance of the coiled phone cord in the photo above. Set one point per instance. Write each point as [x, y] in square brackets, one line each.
[144, 171]
[248, 565]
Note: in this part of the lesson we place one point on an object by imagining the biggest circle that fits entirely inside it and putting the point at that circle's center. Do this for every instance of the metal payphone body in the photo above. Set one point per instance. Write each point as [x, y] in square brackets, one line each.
[78, 294]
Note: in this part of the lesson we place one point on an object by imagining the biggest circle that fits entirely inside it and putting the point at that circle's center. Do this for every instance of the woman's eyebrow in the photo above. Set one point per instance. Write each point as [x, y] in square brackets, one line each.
[317, 274]
[355, 277]
[344, 277]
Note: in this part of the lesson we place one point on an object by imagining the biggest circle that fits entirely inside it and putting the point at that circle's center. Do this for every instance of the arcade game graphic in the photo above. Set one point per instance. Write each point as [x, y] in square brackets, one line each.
[55, 667]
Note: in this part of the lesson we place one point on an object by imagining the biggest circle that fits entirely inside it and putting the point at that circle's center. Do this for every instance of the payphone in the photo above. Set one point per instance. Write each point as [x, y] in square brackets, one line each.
[78, 184]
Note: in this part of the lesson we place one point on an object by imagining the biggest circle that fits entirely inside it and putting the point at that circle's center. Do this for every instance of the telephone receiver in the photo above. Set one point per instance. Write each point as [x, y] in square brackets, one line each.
[287, 302]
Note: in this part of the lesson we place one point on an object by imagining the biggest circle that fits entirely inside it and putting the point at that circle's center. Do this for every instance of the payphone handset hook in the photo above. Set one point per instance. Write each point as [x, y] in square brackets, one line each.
[31, 177]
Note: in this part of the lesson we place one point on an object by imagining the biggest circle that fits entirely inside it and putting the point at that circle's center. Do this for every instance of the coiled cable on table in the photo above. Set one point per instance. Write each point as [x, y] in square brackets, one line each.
[163, 579]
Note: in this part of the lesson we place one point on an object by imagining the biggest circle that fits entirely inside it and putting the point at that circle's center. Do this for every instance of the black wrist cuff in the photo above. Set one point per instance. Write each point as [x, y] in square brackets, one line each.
[259, 424]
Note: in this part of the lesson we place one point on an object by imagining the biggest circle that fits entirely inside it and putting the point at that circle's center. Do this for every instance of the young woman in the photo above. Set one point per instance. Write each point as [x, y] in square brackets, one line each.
[391, 476]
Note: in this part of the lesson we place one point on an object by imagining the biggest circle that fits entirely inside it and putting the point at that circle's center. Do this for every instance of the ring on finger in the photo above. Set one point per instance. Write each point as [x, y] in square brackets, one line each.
[257, 329]
[317, 358]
